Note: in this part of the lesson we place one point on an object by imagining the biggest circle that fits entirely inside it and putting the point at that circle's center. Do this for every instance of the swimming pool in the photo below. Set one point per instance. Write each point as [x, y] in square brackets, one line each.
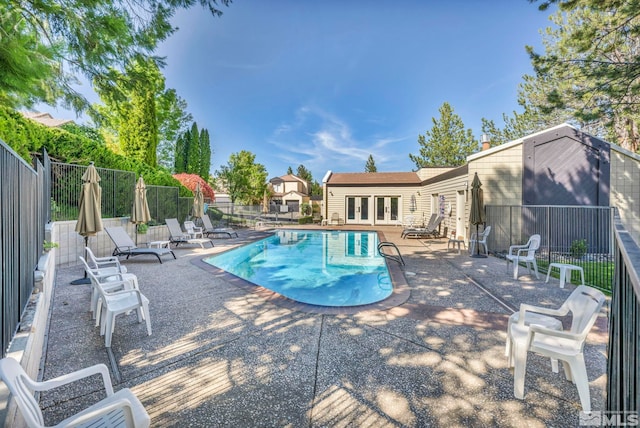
[327, 268]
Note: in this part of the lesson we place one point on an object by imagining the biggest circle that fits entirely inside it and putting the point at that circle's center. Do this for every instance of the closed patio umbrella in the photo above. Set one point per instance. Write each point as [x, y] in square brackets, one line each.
[140, 211]
[476, 216]
[89, 210]
[198, 202]
[413, 204]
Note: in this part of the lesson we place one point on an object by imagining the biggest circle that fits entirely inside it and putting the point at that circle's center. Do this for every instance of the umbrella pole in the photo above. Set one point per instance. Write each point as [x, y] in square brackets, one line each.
[84, 279]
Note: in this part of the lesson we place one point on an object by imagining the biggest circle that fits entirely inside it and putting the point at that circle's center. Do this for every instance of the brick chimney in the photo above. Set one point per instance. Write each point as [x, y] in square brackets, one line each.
[486, 144]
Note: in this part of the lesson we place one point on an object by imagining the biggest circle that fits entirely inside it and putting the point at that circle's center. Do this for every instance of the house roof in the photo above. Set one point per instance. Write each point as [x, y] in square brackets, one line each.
[288, 177]
[456, 172]
[373, 178]
[45, 119]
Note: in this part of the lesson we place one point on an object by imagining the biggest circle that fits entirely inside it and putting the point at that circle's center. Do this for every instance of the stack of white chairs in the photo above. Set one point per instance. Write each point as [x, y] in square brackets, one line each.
[110, 273]
[116, 297]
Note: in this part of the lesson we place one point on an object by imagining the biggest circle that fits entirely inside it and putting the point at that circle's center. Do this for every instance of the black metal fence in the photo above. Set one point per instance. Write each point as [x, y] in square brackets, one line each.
[578, 235]
[117, 195]
[623, 375]
[23, 215]
[248, 215]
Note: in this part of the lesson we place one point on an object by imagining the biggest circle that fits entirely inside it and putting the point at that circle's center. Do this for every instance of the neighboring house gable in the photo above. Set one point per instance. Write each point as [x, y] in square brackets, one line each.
[289, 183]
[46, 119]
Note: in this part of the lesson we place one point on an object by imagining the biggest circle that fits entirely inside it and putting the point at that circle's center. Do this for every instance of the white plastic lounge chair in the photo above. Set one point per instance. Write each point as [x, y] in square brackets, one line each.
[267, 222]
[584, 304]
[524, 253]
[116, 303]
[118, 409]
[126, 247]
[177, 236]
[481, 241]
[210, 230]
[430, 223]
[431, 230]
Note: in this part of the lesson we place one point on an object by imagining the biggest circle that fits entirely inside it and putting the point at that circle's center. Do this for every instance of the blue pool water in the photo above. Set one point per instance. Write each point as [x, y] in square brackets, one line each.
[327, 268]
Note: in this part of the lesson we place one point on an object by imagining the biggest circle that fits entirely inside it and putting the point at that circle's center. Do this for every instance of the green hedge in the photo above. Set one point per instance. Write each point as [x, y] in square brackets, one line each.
[28, 138]
[305, 220]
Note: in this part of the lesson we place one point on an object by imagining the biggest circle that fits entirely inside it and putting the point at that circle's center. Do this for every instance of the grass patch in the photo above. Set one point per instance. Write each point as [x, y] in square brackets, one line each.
[597, 274]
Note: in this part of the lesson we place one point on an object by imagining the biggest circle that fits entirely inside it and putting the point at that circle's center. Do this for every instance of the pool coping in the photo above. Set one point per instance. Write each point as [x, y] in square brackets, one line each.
[399, 295]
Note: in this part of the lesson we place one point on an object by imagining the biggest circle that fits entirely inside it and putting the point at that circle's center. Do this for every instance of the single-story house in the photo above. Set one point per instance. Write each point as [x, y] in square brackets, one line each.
[558, 166]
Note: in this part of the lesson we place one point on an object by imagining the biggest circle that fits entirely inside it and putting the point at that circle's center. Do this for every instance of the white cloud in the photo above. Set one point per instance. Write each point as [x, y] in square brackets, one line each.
[321, 140]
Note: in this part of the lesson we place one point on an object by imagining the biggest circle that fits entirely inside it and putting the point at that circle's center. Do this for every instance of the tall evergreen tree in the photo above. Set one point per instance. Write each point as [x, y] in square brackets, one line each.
[304, 173]
[173, 119]
[141, 113]
[370, 166]
[194, 153]
[447, 143]
[180, 158]
[290, 171]
[139, 130]
[591, 67]
[205, 154]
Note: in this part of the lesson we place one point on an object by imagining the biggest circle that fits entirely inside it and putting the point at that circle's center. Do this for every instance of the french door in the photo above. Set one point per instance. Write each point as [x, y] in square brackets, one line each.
[358, 209]
[387, 209]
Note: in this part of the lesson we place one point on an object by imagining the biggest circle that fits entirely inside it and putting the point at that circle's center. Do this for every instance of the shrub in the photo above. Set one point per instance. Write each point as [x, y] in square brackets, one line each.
[578, 248]
[305, 209]
[214, 213]
[77, 145]
[305, 220]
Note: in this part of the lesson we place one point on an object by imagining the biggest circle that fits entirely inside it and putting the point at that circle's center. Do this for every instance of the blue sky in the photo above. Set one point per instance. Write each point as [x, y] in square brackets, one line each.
[325, 84]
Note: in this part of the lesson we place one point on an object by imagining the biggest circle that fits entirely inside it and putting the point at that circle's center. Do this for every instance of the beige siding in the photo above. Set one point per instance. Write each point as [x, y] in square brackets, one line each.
[337, 196]
[293, 186]
[501, 176]
[449, 189]
[625, 190]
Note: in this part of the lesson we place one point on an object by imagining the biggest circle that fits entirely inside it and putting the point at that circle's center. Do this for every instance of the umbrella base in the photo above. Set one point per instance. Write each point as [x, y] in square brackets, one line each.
[479, 256]
[81, 281]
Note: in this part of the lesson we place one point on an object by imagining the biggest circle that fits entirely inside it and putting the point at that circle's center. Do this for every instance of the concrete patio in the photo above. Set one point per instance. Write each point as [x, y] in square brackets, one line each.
[223, 355]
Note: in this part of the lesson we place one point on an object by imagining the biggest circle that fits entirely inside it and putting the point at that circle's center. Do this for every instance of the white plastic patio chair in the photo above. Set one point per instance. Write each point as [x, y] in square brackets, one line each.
[524, 253]
[110, 280]
[336, 220]
[584, 304]
[104, 265]
[193, 230]
[116, 303]
[118, 409]
[480, 241]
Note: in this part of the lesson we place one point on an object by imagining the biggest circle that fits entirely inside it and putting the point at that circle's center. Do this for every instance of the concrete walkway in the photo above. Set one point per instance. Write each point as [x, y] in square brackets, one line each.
[227, 356]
